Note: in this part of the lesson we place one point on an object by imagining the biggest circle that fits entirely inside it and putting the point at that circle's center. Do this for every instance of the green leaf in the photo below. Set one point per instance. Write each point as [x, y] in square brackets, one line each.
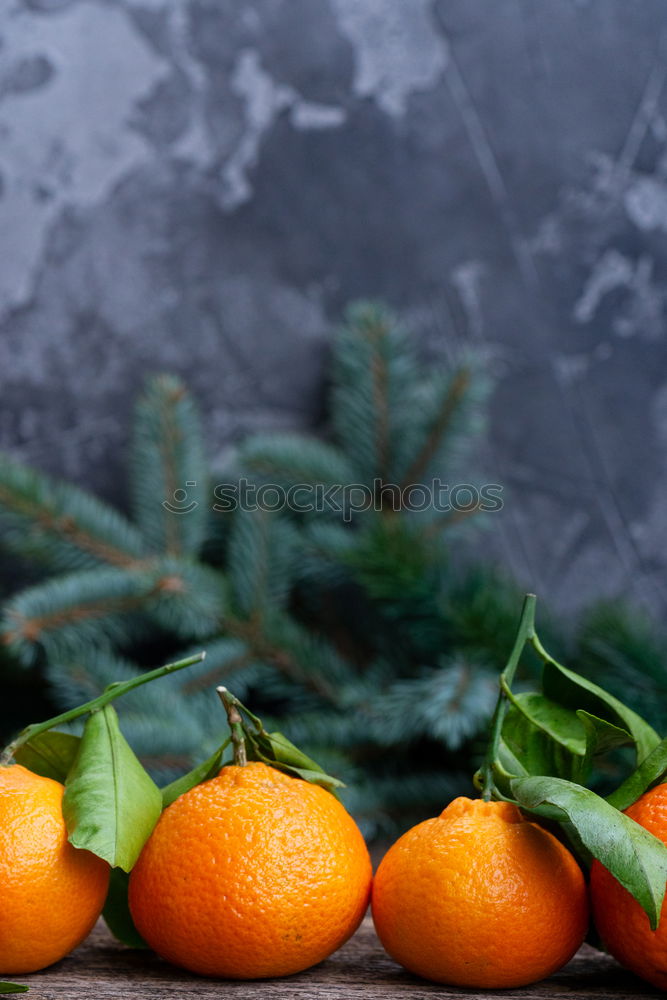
[285, 752]
[116, 911]
[536, 750]
[636, 858]
[111, 804]
[13, 988]
[277, 751]
[50, 754]
[202, 772]
[650, 772]
[573, 691]
[601, 737]
[561, 724]
[273, 749]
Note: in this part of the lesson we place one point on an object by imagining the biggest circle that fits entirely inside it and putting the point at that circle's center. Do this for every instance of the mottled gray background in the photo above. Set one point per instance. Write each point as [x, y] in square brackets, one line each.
[200, 185]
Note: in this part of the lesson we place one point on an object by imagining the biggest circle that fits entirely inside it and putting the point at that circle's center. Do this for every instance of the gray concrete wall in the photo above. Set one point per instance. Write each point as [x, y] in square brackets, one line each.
[200, 185]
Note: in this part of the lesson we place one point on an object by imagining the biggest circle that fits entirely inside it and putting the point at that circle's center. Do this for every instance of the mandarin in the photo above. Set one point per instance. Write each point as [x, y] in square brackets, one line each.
[480, 897]
[251, 874]
[51, 894]
[620, 920]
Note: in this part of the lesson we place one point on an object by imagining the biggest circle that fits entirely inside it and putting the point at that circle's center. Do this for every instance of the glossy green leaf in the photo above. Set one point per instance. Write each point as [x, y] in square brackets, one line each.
[111, 804]
[557, 722]
[277, 751]
[650, 772]
[576, 843]
[13, 988]
[116, 911]
[50, 754]
[636, 858]
[285, 752]
[575, 692]
[202, 772]
[601, 737]
[505, 769]
[535, 750]
[273, 749]
[314, 777]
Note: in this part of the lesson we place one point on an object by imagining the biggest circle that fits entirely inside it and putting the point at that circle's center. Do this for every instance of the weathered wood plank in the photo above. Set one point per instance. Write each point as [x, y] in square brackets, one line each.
[102, 969]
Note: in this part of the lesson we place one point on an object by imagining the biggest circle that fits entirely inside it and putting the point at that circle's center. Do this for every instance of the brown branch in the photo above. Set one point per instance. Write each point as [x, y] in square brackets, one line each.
[374, 334]
[31, 629]
[66, 525]
[454, 518]
[167, 444]
[455, 394]
[260, 583]
[263, 649]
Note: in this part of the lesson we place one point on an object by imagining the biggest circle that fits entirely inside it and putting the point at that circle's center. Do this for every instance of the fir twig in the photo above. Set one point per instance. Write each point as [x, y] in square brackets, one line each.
[168, 457]
[61, 524]
[375, 332]
[451, 402]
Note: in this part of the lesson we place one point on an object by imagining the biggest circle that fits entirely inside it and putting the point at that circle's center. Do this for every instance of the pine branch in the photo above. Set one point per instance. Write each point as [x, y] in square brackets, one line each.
[622, 649]
[325, 552]
[168, 457]
[77, 677]
[189, 599]
[229, 661]
[337, 630]
[304, 658]
[322, 727]
[261, 560]
[96, 607]
[292, 459]
[452, 519]
[60, 525]
[375, 385]
[401, 575]
[449, 704]
[451, 402]
[375, 329]
[479, 608]
[89, 608]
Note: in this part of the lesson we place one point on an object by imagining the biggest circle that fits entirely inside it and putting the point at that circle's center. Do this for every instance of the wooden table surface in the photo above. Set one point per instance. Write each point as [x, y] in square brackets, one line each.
[102, 968]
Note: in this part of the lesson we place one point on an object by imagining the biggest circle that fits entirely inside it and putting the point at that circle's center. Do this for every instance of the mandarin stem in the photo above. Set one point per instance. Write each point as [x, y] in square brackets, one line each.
[235, 720]
[525, 631]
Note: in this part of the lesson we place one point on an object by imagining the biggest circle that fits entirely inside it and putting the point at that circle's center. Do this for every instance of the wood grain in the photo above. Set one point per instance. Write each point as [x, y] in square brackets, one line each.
[101, 968]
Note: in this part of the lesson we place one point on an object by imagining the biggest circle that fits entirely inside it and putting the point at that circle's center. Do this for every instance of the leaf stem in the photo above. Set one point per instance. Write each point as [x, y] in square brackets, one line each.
[235, 720]
[541, 651]
[110, 693]
[525, 632]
